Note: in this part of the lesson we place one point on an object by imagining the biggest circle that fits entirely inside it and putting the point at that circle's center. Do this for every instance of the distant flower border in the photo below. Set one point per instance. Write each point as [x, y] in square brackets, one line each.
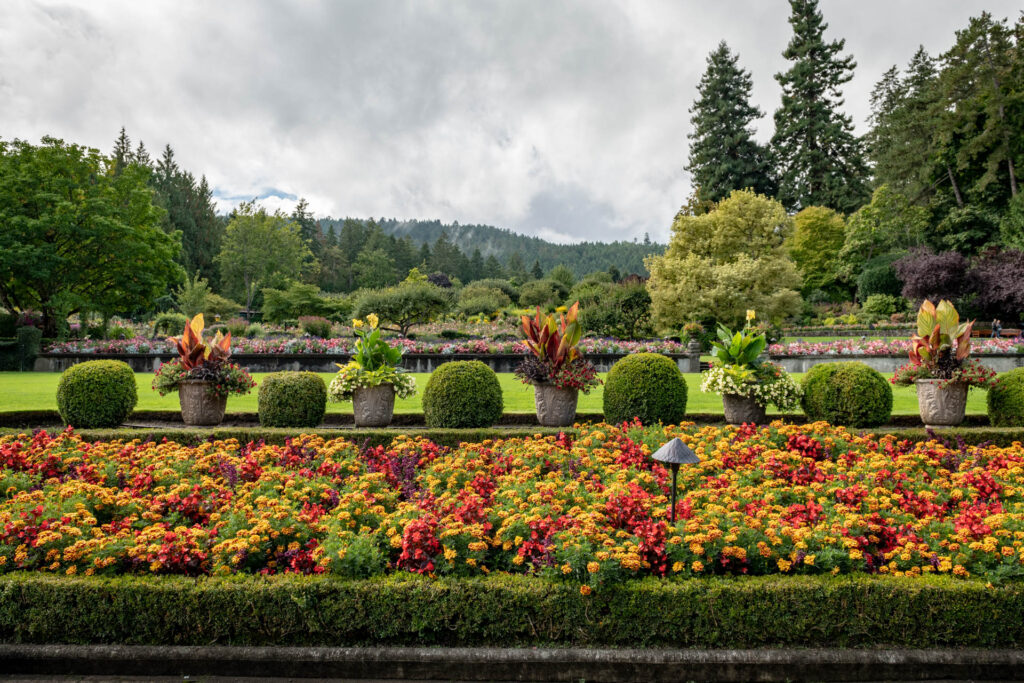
[885, 347]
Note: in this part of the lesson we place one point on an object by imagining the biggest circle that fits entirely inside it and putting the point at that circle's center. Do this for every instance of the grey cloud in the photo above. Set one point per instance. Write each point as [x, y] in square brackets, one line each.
[562, 118]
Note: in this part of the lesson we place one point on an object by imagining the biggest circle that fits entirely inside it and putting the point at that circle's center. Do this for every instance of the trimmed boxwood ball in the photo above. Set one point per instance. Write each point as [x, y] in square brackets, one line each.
[96, 394]
[462, 393]
[292, 399]
[848, 393]
[1006, 400]
[645, 385]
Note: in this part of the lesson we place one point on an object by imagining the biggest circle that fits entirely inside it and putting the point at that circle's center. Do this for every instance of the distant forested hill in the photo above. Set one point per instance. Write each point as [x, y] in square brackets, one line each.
[582, 258]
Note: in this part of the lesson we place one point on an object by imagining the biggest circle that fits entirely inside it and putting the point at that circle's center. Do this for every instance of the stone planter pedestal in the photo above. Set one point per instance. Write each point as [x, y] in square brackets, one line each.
[373, 406]
[555, 407]
[742, 410]
[941, 407]
[199, 407]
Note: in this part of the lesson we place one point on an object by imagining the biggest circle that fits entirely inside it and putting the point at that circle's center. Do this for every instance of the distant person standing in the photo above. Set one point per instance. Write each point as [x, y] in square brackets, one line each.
[997, 327]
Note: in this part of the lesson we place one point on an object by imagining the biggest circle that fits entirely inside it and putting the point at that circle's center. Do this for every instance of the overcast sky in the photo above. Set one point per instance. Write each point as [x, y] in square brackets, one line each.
[566, 120]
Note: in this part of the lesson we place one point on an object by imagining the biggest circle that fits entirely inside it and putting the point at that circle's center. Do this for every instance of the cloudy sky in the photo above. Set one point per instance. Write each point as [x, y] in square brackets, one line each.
[564, 119]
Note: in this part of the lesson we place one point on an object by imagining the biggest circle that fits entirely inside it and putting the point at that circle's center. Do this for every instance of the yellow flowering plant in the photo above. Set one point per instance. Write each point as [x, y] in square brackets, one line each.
[374, 362]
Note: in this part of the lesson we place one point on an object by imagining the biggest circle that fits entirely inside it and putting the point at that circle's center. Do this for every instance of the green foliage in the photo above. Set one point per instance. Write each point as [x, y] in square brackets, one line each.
[315, 326]
[563, 275]
[1006, 400]
[8, 323]
[218, 306]
[504, 286]
[819, 158]
[29, 343]
[884, 305]
[300, 300]
[190, 298]
[723, 153]
[544, 293]
[645, 385]
[292, 399]
[502, 611]
[169, 325]
[96, 394]
[741, 348]
[374, 268]
[462, 394]
[1011, 227]
[76, 236]
[257, 247]
[722, 263]
[621, 311]
[890, 223]
[478, 297]
[402, 307]
[814, 245]
[879, 277]
[849, 393]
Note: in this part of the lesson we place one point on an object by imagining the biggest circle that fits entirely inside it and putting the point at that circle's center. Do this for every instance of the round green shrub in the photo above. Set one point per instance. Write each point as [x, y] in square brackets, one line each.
[645, 385]
[849, 393]
[1006, 400]
[96, 394]
[292, 399]
[463, 393]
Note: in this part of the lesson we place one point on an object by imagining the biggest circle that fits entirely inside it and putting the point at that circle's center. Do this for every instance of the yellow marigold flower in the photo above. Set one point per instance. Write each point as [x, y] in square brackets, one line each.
[697, 566]
[517, 560]
[450, 553]
[809, 560]
[566, 569]
[678, 567]
[593, 567]
[584, 589]
[961, 571]
[784, 565]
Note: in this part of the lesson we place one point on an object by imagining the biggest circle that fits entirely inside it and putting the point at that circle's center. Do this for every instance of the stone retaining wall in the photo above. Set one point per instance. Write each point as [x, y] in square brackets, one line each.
[889, 364]
[315, 362]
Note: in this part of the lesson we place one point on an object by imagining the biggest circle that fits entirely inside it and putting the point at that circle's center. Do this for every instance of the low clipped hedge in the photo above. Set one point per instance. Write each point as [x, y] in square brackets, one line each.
[97, 393]
[1006, 400]
[292, 399]
[645, 385]
[848, 393]
[463, 393]
[502, 610]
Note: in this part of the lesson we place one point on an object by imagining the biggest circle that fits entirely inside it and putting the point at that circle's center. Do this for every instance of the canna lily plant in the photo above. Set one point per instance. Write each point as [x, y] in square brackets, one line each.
[941, 349]
[201, 360]
[554, 343]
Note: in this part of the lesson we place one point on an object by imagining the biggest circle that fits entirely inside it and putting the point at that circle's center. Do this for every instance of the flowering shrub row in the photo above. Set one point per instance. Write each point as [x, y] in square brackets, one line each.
[884, 347]
[590, 508]
[345, 345]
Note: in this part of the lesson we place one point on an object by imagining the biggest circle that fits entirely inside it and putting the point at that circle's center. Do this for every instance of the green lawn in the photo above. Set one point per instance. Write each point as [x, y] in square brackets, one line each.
[38, 390]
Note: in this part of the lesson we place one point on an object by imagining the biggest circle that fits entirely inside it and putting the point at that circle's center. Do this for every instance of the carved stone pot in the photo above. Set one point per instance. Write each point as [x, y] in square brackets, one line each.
[742, 410]
[200, 407]
[941, 407]
[374, 406]
[555, 407]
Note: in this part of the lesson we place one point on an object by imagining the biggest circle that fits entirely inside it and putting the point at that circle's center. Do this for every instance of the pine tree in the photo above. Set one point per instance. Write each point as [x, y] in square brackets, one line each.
[819, 158]
[141, 156]
[308, 227]
[723, 154]
[122, 154]
[536, 272]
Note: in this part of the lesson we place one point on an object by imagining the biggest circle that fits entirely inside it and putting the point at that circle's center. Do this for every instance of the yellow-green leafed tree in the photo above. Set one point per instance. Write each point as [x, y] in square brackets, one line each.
[814, 245]
[722, 263]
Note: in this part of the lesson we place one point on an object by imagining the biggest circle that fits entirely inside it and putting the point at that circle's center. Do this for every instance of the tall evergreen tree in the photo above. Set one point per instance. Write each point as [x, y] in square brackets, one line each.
[122, 155]
[308, 227]
[819, 158]
[723, 153]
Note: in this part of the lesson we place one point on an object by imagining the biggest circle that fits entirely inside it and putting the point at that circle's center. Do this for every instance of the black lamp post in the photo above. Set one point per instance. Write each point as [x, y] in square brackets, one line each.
[674, 454]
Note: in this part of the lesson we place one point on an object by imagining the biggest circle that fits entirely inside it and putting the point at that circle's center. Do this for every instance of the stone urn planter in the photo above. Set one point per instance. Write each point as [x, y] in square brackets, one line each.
[200, 407]
[374, 406]
[555, 407]
[742, 409]
[941, 407]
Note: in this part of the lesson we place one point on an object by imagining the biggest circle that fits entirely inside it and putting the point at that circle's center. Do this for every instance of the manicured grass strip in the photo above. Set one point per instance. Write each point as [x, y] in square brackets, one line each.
[504, 610]
[38, 391]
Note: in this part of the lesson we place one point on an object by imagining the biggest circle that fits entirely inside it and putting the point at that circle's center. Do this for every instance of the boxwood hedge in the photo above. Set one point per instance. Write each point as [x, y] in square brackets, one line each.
[505, 610]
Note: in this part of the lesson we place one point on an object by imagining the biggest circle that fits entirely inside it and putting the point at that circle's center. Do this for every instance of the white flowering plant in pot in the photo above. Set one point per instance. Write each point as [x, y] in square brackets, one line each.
[738, 371]
[374, 363]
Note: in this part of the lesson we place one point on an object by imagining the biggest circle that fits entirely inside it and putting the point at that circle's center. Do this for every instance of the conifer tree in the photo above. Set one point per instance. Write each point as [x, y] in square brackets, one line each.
[723, 153]
[122, 155]
[819, 159]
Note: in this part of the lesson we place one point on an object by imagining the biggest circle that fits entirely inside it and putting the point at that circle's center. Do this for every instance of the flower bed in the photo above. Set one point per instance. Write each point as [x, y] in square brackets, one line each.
[344, 345]
[882, 347]
[590, 509]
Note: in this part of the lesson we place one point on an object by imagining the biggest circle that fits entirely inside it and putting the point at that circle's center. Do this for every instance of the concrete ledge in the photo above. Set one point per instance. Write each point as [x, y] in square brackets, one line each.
[498, 664]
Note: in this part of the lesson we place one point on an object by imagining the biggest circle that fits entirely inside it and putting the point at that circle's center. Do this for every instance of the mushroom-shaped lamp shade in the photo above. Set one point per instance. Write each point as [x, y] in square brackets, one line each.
[675, 452]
